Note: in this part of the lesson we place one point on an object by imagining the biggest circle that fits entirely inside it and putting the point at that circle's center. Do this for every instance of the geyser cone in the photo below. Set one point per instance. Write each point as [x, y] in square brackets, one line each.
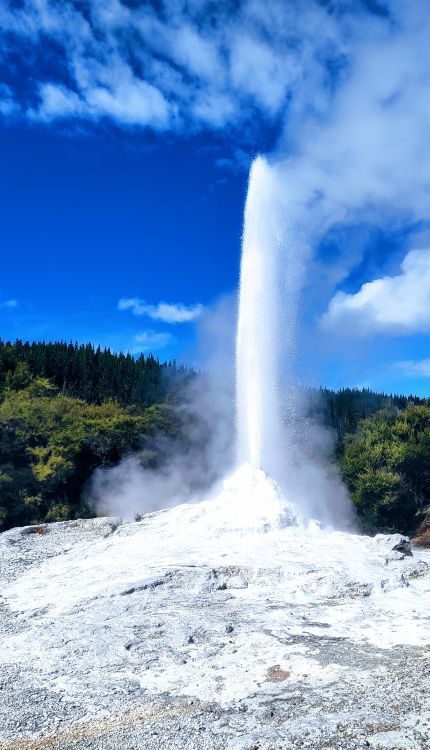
[248, 501]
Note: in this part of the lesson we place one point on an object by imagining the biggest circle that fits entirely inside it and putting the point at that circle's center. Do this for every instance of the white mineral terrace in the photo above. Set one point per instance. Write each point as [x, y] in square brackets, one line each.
[191, 605]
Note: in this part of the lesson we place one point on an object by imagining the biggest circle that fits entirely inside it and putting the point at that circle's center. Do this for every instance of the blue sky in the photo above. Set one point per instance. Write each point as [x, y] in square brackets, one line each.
[88, 220]
[126, 134]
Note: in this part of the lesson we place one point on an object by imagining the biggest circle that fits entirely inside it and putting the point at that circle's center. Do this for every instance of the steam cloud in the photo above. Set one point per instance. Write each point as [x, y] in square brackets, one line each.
[276, 431]
[275, 434]
[189, 470]
[345, 85]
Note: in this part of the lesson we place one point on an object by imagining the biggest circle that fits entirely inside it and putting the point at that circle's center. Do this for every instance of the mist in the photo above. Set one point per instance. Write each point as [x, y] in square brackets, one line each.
[277, 427]
[246, 411]
[192, 464]
[352, 151]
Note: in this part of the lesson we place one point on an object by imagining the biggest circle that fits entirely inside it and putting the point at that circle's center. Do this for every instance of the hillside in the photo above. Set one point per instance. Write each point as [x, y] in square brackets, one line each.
[67, 409]
[91, 373]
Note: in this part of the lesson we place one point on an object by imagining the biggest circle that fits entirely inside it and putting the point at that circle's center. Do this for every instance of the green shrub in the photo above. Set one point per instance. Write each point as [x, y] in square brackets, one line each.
[386, 466]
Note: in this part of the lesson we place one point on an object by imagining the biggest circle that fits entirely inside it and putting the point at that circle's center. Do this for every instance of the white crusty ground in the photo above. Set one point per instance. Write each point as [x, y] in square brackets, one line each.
[188, 630]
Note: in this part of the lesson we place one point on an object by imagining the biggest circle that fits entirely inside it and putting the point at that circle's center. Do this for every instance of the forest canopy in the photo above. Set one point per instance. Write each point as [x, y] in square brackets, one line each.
[67, 409]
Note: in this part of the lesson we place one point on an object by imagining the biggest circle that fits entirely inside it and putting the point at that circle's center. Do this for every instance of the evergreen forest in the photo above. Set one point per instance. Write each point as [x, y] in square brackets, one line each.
[68, 409]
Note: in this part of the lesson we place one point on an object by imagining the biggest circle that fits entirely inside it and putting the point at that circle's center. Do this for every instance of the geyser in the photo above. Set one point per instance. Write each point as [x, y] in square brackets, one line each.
[274, 436]
[269, 282]
[251, 498]
[259, 426]
[283, 469]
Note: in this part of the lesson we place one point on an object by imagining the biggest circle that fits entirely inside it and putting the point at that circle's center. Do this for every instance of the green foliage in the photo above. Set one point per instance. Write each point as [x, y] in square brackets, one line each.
[344, 410]
[386, 466]
[18, 378]
[67, 409]
[51, 443]
[92, 374]
[58, 512]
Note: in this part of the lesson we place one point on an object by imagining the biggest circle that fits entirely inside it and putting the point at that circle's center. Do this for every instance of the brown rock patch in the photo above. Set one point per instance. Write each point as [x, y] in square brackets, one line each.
[276, 674]
[422, 536]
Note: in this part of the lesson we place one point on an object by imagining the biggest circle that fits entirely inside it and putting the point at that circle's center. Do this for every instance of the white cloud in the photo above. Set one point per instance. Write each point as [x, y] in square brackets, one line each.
[347, 89]
[260, 71]
[174, 66]
[358, 149]
[58, 101]
[356, 139]
[127, 100]
[131, 102]
[415, 368]
[177, 66]
[164, 311]
[8, 106]
[9, 303]
[393, 304]
[213, 109]
[198, 54]
[151, 341]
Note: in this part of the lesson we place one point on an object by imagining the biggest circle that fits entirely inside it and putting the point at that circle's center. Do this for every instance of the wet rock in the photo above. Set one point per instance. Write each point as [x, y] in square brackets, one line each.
[416, 569]
[148, 585]
[355, 589]
[231, 577]
[393, 546]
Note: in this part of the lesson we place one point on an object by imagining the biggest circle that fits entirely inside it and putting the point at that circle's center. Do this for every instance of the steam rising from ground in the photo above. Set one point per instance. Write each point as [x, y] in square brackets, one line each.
[352, 150]
[273, 433]
[282, 457]
[187, 467]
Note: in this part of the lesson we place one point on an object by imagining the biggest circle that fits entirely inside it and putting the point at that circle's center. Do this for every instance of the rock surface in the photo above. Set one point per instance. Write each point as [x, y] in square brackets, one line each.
[393, 546]
[422, 536]
[173, 632]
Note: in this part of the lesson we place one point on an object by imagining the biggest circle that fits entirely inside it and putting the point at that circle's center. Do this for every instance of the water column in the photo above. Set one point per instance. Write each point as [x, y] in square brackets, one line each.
[259, 409]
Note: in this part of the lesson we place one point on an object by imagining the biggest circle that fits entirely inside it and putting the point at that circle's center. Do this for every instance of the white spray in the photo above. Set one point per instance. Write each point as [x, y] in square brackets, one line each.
[270, 279]
[283, 469]
[251, 498]
[274, 437]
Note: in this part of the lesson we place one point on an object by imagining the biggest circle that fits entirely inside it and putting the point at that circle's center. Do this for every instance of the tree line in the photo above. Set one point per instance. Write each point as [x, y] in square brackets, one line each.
[67, 409]
[345, 409]
[94, 374]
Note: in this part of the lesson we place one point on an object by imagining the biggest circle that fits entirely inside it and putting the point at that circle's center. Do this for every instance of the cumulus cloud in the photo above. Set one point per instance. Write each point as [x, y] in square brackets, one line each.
[170, 65]
[344, 88]
[9, 303]
[151, 341]
[164, 311]
[415, 368]
[393, 304]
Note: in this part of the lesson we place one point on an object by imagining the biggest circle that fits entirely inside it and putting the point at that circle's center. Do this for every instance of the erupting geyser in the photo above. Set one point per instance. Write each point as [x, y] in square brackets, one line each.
[121, 630]
[251, 498]
[283, 464]
[265, 336]
[259, 427]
